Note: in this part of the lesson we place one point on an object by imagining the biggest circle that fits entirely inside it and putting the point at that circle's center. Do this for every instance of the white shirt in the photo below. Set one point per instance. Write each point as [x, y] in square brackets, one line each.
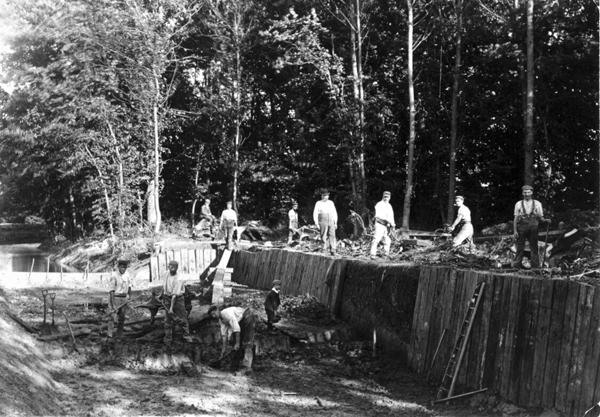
[173, 285]
[384, 211]
[120, 284]
[325, 207]
[229, 214]
[465, 213]
[530, 206]
[293, 215]
[229, 319]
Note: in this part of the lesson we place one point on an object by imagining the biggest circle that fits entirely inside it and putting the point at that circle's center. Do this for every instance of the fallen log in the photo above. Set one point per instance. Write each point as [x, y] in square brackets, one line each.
[80, 332]
[21, 322]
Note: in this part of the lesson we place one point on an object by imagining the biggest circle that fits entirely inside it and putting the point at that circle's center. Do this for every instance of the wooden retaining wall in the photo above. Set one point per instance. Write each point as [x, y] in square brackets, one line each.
[194, 261]
[300, 273]
[366, 294]
[535, 342]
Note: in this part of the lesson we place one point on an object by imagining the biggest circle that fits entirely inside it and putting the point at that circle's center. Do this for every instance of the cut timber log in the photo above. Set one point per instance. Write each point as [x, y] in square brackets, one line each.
[80, 332]
[22, 323]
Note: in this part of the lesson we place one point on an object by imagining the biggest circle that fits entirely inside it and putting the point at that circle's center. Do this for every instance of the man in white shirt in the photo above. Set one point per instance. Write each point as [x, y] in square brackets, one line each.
[326, 218]
[463, 219]
[528, 215]
[384, 219]
[228, 224]
[238, 322]
[293, 222]
[118, 295]
[172, 296]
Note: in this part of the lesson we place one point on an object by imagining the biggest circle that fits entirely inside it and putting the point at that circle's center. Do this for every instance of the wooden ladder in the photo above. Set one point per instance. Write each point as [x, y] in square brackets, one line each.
[458, 353]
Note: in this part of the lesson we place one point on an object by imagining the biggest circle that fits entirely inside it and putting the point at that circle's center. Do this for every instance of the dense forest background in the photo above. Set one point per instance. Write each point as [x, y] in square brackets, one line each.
[121, 114]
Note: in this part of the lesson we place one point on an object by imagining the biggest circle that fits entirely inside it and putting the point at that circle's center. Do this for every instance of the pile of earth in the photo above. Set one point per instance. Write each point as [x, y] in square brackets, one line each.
[27, 383]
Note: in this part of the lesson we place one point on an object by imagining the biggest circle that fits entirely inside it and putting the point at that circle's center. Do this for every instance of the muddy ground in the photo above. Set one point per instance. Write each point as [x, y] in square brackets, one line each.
[340, 378]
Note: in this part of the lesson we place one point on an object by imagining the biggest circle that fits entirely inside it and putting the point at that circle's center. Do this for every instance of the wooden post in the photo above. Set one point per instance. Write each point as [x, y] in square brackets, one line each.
[47, 268]
[31, 270]
[60, 272]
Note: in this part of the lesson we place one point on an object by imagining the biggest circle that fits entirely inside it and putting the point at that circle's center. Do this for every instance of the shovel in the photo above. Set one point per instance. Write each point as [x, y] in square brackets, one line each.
[53, 327]
[45, 329]
[216, 363]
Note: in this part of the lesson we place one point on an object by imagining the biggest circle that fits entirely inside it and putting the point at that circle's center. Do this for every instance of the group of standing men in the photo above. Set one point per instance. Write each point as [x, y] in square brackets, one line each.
[528, 214]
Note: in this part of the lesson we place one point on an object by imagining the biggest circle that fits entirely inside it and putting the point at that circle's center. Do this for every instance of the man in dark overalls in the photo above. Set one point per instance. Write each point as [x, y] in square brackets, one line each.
[528, 214]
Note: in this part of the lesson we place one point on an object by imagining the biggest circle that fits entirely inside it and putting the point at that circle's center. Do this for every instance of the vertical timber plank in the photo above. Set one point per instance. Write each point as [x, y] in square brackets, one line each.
[153, 268]
[509, 346]
[529, 334]
[496, 312]
[591, 376]
[578, 354]
[567, 342]
[519, 339]
[192, 262]
[542, 331]
[483, 326]
[557, 319]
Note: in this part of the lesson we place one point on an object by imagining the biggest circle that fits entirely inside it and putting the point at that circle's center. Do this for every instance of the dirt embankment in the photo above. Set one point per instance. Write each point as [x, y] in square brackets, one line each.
[27, 385]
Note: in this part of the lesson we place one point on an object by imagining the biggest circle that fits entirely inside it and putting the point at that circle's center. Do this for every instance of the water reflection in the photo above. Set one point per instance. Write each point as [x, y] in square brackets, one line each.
[23, 262]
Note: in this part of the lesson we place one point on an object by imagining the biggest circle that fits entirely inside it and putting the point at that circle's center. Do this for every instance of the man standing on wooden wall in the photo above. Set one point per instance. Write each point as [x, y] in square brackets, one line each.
[384, 220]
[528, 214]
[326, 218]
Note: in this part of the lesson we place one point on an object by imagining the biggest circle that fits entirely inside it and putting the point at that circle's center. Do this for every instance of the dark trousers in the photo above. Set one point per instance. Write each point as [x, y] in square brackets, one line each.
[247, 325]
[179, 317]
[527, 228]
[270, 318]
[120, 315]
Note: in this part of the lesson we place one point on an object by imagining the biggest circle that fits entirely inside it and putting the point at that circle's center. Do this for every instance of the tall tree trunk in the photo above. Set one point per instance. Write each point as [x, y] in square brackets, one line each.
[120, 180]
[105, 191]
[529, 169]
[361, 111]
[412, 134]
[454, 121]
[156, 182]
[238, 122]
[150, 203]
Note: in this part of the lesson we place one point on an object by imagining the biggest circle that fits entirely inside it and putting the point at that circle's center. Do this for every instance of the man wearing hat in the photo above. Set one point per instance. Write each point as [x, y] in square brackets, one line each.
[118, 296]
[528, 214]
[326, 218]
[384, 219]
[463, 221]
[293, 222]
[172, 295]
[272, 304]
[228, 224]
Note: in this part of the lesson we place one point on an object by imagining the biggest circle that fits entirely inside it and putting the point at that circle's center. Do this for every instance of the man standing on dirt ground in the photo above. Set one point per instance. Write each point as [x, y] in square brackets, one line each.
[272, 304]
[239, 322]
[326, 218]
[528, 214]
[205, 214]
[463, 221]
[228, 224]
[293, 222]
[172, 296]
[384, 220]
[118, 296]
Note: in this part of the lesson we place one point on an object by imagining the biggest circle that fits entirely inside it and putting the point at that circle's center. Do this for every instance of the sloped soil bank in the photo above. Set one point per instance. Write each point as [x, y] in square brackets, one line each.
[291, 377]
